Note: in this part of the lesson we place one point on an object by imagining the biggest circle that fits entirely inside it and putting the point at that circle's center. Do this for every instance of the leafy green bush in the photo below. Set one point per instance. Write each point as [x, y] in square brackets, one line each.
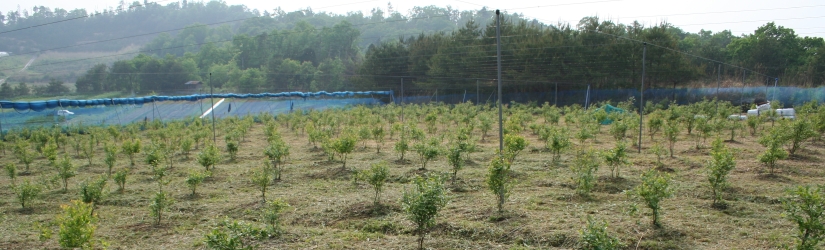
[616, 158]
[23, 153]
[584, 169]
[455, 160]
[427, 151]
[130, 148]
[672, 130]
[65, 170]
[378, 136]
[720, 164]
[595, 237]
[498, 180]
[195, 179]
[160, 203]
[659, 151]
[423, 202]
[773, 140]
[209, 156]
[797, 132]
[111, 157]
[277, 151]
[654, 188]
[77, 226]
[401, 146]
[272, 214]
[263, 178]
[92, 193]
[11, 171]
[806, 208]
[120, 179]
[343, 146]
[26, 193]
[376, 177]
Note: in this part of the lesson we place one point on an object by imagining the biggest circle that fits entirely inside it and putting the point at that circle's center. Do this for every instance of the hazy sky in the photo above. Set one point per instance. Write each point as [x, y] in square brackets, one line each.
[806, 17]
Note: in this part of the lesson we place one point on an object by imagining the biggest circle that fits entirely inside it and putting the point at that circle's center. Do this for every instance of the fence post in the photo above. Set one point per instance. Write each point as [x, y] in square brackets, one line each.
[642, 97]
[498, 66]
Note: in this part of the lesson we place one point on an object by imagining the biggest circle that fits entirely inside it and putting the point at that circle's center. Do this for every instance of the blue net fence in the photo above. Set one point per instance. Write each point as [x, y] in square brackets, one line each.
[118, 111]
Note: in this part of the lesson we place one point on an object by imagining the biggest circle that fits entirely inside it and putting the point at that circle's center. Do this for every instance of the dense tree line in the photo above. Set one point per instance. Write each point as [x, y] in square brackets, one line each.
[448, 48]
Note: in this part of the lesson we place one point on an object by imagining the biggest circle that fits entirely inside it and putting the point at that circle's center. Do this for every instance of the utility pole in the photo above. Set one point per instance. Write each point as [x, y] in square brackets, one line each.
[642, 97]
[498, 63]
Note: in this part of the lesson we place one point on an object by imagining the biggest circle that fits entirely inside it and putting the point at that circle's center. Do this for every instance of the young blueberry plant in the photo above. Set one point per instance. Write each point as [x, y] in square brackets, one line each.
[455, 160]
[120, 179]
[616, 158]
[26, 193]
[595, 236]
[194, 180]
[720, 164]
[272, 215]
[77, 227]
[498, 180]
[111, 157]
[376, 177]
[343, 146]
[131, 148]
[263, 178]
[277, 151]
[160, 203]
[773, 140]
[654, 188]
[584, 168]
[11, 171]
[92, 193]
[209, 156]
[66, 170]
[422, 204]
[806, 208]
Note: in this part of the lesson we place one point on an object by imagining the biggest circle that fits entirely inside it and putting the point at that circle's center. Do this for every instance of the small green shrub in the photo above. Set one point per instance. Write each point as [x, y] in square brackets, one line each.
[376, 177]
[672, 130]
[11, 171]
[595, 237]
[498, 180]
[263, 178]
[401, 146]
[806, 208]
[209, 156]
[120, 179]
[455, 160]
[422, 204]
[616, 158]
[343, 146]
[796, 133]
[92, 193]
[773, 140]
[272, 214]
[160, 203]
[130, 148]
[720, 164]
[77, 226]
[584, 168]
[111, 157]
[26, 193]
[195, 179]
[65, 170]
[654, 188]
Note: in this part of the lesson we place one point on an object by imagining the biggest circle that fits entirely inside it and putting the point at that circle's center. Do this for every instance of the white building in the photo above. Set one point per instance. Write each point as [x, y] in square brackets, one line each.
[2, 54]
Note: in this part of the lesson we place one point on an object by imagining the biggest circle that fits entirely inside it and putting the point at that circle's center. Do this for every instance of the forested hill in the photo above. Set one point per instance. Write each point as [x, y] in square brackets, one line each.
[24, 30]
[431, 46]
